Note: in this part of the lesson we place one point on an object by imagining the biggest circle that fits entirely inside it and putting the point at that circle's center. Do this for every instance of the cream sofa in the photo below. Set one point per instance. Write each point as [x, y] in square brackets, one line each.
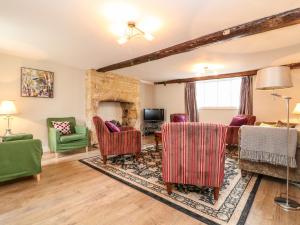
[272, 170]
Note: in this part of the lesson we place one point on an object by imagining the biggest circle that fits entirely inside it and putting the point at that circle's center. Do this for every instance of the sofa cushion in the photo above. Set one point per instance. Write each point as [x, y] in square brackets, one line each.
[267, 125]
[72, 137]
[71, 120]
[115, 122]
[112, 127]
[238, 121]
[283, 124]
[63, 127]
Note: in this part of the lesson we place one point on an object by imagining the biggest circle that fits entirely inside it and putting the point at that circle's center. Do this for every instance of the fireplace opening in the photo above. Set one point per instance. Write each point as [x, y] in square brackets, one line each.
[110, 111]
[123, 112]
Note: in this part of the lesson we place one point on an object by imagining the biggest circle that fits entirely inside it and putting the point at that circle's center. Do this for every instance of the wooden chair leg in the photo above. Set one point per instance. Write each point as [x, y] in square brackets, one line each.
[216, 193]
[104, 159]
[86, 149]
[243, 173]
[169, 188]
[38, 177]
[156, 142]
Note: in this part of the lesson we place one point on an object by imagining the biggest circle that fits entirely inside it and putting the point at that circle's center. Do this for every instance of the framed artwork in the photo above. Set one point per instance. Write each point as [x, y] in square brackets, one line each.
[36, 83]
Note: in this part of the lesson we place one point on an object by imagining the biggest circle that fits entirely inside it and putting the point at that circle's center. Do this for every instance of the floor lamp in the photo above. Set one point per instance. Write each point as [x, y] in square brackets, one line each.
[272, 78]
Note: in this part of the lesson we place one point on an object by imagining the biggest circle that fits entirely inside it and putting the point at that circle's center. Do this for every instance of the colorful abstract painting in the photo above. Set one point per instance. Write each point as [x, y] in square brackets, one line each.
[36, 83]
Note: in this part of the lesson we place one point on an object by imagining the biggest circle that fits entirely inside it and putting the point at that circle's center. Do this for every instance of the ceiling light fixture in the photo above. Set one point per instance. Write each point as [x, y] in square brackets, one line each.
[205, 68]
[133, 31]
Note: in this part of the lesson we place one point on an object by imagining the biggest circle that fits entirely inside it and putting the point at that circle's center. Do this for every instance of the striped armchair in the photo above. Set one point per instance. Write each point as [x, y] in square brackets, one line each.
[128, 141]
[193, 153]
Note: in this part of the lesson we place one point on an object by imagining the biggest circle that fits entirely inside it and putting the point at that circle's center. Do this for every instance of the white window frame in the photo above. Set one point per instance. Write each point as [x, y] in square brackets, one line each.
[217, 107]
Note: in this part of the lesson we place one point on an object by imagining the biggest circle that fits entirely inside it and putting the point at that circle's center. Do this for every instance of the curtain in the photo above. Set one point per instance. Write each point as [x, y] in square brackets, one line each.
[190, 102]
[246, 96]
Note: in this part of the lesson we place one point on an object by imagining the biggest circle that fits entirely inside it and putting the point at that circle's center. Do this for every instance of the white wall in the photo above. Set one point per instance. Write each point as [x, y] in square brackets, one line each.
[268, 108]
[69, 96]
[171, 98]
[146, 99]
[146, 95]
[265, 107]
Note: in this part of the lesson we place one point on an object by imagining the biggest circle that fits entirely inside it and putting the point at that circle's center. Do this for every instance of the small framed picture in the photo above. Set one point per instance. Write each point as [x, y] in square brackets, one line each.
[37, 83]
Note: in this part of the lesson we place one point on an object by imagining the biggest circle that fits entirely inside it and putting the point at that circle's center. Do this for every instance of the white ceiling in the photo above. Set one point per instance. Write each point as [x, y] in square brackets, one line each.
[272, 48]
[77, 33]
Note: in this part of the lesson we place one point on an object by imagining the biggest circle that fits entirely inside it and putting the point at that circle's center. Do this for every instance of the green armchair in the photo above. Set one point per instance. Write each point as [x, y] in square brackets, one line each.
[20, 158]
[63, 143]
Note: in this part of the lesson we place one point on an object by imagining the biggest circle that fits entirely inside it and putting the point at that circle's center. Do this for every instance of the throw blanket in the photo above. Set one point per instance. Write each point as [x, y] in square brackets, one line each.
[268, 144]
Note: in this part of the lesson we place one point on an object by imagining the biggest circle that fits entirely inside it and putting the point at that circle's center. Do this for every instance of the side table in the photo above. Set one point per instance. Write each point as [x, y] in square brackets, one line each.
[158, 138]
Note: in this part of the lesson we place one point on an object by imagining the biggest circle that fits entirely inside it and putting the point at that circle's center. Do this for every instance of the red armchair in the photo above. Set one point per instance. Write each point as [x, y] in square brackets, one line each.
[179, 117]
[128, 141]
[233, 128]
[193, 153]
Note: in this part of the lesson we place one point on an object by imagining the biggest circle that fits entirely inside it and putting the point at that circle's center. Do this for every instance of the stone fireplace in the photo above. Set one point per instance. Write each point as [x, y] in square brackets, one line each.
[109, 87]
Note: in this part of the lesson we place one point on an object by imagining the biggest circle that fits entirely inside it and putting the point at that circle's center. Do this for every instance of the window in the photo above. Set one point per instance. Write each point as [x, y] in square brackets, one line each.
[223, 93]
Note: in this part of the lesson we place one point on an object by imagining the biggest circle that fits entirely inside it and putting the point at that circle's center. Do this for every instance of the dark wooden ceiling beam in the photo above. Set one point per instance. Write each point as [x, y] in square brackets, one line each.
[220, 76]
[294, 65]
[273, 22]
[211, 77]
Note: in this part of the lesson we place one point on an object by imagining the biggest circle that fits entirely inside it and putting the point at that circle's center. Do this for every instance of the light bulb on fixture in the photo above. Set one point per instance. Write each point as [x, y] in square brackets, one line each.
[122, 40]
[206, 68]
[148, 36]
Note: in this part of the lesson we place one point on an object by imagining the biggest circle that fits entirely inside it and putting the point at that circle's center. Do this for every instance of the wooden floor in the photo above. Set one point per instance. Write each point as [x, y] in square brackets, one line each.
[72, 193]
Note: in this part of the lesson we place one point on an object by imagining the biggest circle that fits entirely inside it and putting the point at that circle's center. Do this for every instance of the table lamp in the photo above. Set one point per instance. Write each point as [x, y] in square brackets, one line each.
[271, 78]
[7, 109]
[296, 110]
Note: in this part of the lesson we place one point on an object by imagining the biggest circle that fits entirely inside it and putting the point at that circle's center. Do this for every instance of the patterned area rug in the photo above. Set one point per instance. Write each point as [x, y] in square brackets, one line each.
[236, 195]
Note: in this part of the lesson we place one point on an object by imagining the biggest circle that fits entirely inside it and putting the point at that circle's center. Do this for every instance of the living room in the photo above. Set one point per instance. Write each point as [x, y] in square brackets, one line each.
[120, 112]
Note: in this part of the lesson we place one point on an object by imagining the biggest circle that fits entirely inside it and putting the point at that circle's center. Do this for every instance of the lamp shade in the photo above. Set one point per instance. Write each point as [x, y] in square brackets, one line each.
[297, 109]
[8, 108]
[277, 77]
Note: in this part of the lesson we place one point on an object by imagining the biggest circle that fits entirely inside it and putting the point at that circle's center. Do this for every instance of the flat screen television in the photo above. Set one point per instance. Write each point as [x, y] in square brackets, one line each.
[155, 115]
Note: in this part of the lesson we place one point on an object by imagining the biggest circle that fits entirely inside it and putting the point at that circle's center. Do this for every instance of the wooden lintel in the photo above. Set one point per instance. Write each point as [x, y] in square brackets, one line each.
[212, 77]
[273, 22]
[220, 76]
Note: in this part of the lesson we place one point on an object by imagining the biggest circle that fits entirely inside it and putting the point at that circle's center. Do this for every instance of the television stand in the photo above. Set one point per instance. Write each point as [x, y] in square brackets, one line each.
[151, 126]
